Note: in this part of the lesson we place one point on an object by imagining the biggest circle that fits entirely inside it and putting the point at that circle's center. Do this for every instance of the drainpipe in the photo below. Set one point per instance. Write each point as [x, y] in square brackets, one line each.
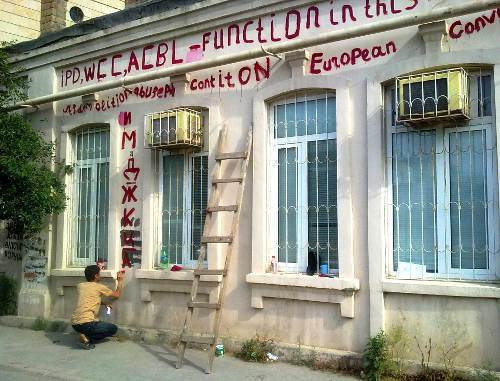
[274, 49]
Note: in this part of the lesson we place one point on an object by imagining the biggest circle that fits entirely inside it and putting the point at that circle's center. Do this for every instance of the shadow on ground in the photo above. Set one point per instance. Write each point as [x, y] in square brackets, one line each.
[168, 356]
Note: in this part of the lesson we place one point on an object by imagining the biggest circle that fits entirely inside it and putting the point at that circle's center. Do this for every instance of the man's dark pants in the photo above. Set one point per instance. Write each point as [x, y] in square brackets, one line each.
[96, 330]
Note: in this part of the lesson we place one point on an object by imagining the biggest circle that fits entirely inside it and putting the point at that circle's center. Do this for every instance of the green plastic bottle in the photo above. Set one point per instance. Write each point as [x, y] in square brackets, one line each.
[164, 260]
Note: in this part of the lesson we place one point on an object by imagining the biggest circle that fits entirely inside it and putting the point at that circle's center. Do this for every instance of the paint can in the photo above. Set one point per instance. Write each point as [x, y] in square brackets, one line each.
[219, 350]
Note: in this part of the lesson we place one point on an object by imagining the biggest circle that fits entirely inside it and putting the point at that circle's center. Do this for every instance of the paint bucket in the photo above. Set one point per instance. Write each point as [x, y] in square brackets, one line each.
[219, 350]
[323, 269]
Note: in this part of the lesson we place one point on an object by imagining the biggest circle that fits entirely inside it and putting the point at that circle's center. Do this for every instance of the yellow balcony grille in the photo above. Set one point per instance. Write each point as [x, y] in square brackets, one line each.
[174, 129]
[435, 95]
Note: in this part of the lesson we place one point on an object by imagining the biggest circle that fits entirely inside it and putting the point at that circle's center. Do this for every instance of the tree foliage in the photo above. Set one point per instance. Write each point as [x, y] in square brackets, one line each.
[29, 189]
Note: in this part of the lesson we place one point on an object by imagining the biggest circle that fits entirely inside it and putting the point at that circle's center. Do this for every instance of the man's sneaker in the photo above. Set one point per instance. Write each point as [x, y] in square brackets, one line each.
[87, 345]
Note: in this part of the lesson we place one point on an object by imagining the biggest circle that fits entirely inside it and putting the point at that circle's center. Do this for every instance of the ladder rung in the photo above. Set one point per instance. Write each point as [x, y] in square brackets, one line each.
[231, 155]
[222, 208]
[228, 180]
[214, 306]
[209, 272]
[216, 239]
[197, 339]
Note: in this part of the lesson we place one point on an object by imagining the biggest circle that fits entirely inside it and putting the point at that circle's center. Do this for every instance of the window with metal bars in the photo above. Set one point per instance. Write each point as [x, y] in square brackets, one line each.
[303, 182]
[443, 199]
[90, 197]
[183, 202]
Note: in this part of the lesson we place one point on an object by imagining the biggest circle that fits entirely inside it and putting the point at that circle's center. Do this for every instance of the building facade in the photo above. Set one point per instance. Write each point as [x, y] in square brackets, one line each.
[374, 161]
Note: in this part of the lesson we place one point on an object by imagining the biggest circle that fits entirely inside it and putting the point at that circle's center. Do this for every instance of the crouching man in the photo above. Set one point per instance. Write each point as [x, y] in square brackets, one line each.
[84, 319]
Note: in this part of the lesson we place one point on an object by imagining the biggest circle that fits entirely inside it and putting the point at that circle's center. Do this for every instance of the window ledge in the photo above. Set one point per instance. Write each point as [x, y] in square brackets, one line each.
[442, 288]
[301, 280]
[183, 275]
[207, 285]
[304, 287]
[78, 272]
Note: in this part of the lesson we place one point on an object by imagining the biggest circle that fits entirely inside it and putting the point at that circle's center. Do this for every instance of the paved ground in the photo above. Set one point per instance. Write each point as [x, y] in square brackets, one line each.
[27, 355]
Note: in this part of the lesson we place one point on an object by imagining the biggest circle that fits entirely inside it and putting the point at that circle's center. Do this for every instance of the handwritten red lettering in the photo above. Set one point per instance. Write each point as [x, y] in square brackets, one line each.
[128, 193]
[319, 64]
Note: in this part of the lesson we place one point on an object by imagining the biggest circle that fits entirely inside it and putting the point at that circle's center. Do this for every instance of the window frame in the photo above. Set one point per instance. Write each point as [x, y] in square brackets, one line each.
[300, 144]
[93, 166]
[442, 189]
[187, 252]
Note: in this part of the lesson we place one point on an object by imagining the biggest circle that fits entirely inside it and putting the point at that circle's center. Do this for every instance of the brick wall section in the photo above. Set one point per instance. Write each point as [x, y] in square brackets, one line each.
[53, 15]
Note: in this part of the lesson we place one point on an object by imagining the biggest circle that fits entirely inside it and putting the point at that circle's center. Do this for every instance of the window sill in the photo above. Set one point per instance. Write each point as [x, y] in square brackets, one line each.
[78, 272]
[304, 287]
[183, 275]
[176, 281]
[301, 280]
[442, 288]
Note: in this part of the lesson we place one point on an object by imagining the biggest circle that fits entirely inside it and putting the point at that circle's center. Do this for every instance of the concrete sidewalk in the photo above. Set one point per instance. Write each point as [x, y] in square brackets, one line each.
[43, 356]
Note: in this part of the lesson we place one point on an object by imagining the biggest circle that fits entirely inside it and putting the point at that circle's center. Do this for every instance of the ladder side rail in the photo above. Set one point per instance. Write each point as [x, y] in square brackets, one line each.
[214, 195]
[234, 227]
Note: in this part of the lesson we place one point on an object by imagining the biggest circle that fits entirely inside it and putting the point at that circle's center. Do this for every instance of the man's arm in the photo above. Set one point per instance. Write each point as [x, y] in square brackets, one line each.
[119, 285]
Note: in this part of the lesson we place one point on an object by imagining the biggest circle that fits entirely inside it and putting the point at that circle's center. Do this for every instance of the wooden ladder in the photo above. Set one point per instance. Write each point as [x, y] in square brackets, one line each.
[214, 207]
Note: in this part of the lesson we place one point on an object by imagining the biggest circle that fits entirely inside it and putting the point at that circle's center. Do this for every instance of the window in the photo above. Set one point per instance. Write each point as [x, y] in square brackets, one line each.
[183, 203]
[444, 194]
[303, 182]
[90, 197]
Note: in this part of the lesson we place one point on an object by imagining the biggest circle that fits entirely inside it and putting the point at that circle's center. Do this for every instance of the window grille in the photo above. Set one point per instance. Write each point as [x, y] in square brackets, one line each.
[303, 183]
[428, 96]
[182, 204]
[174, 129]
[90, 197]
[443, 199]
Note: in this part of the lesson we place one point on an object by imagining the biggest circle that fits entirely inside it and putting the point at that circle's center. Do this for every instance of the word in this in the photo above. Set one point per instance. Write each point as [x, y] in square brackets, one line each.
[458, 28]
[289, 25]
[115, 101]
[229, 80]
[130, 235]
[320, 65]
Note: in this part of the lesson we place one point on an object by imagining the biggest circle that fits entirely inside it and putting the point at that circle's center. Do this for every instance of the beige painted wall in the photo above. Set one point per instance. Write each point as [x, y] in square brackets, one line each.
[20, 19]
[470, 326]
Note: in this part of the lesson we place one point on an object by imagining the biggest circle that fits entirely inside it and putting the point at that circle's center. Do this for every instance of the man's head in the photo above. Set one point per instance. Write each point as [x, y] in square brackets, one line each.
[92, 273]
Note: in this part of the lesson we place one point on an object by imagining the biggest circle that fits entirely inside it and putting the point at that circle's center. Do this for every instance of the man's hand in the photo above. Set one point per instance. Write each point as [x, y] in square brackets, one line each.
[119, 284]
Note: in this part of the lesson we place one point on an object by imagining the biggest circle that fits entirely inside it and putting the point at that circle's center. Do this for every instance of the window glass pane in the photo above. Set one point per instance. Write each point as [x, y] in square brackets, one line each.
[300, 115]
[413, 190]
[468, 200]
[199, 195]
[279, 121]
[287, 205]
[173, 207]
[322, 196]
[92, 144]
[484, 95]
[331, 114]
[101, 239]
[298, 118]
[84, 217]
[321, 116]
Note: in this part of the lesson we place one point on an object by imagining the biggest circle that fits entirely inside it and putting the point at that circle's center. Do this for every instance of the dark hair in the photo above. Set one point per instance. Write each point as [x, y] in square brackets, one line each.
[91, 272]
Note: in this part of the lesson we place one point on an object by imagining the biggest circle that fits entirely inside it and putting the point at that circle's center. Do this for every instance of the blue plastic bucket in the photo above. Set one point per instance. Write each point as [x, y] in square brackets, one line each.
[323, 269]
